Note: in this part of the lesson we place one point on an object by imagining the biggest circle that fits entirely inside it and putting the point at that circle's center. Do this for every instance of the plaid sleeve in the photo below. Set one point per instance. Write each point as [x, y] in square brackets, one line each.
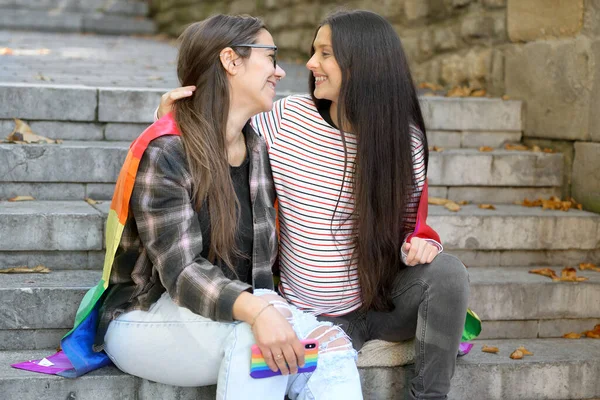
[170, 232]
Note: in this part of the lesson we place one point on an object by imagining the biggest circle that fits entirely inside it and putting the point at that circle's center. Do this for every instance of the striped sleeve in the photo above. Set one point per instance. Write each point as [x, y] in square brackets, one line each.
[267, 124]
[416, 211]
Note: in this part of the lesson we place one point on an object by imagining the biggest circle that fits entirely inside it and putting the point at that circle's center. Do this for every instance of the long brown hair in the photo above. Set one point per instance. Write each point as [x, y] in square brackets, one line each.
[378, 100]
[202, 120]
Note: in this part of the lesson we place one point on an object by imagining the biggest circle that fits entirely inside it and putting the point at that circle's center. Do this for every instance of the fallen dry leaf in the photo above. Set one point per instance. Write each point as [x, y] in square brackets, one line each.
[459, 91]
[436, 149]
[490, 349]
[463, 202]
[437, 201]
[486, 206]
[515, 147]
[536, 149]
[21, 198]
[571, 335]
[6, 51]
[525, 351]
[430, 86]
[42, 77]
[452, 206]
[517, 355]
[23, 134]
[505, 97]
[40, 269]
[569, 274]
[547, 150]
[92, 201]
[553, 203]
[594, 333]
[588, 266]
[478, 93]
[486, 148]
[545, 272]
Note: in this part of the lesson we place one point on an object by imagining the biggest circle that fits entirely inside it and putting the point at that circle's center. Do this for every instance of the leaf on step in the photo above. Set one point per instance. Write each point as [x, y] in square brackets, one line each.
[588, 266]
[40, 269]
[594, 333]
[463, 202]
[430, 86]
[572, 335]
[436, 149]
[42, 77]
[452, 206]
[459, 91]
[92, 201]
[569, 274]
[437, 201]
[23, 134]
[6, 51]
[549, 151]
[525, 351]
[490, 349]
[545, 272]
[506, 97]
[515, 147]
[21, 198]
[486, 148]
[517, 355]
[486, 206]
[478, 93]
[532, 203]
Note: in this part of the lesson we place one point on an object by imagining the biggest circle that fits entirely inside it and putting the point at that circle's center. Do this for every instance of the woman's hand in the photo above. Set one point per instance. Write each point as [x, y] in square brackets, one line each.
[274, 335]
[278, 342]
[419, 251]
[167, 99]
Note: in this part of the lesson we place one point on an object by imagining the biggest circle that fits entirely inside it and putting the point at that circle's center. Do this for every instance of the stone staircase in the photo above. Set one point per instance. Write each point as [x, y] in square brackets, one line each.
[112, 17]
[97, 102]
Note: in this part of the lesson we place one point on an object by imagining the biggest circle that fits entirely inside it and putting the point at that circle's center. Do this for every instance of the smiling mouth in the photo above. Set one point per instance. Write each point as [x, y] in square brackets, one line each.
[320, 79]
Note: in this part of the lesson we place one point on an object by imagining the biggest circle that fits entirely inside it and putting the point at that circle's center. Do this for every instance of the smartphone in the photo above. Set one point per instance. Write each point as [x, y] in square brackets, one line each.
[260, 369]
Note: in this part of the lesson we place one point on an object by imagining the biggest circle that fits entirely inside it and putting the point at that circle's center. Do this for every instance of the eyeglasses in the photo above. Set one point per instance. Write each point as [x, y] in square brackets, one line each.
[261, 46]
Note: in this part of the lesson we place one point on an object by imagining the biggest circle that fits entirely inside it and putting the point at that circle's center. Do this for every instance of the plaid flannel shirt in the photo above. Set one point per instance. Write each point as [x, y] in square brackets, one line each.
[162, 239]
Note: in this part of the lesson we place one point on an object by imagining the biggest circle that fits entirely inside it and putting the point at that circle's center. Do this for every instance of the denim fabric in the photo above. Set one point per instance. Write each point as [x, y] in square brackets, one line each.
[170, 344]
[430, 305]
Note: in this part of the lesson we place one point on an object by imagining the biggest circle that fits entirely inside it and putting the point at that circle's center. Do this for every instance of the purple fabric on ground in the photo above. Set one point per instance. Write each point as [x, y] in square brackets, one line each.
[464, 349]
[53, 365]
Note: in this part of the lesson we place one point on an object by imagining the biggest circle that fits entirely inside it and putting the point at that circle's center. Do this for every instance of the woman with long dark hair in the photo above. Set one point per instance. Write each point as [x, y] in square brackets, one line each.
[349, 164]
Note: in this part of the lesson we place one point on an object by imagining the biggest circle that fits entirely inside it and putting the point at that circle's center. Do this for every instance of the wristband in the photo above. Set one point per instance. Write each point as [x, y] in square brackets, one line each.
[258, 314]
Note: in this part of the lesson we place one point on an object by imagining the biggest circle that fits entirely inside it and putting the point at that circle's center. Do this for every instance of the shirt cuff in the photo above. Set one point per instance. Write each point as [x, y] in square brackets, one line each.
[433, 242]
[227, 297]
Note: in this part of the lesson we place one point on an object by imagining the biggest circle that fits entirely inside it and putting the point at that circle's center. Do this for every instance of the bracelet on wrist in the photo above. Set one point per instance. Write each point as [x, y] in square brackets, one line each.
[258, 314]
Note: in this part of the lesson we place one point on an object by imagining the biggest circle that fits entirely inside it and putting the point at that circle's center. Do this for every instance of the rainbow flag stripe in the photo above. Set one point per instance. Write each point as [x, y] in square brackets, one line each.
[260, 369]
[117, 217]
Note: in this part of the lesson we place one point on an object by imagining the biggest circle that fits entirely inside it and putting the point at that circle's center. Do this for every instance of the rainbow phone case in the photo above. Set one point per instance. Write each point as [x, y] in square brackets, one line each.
[260, 369]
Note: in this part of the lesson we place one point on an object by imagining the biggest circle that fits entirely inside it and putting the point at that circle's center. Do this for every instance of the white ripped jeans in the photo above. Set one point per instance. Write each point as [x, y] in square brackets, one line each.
[171, 345]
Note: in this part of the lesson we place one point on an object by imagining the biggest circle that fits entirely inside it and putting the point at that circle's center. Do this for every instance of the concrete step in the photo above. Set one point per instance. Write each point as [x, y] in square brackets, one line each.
[78, 226]
[559, 369]
[491, 194]
[69, 162]
[58, 20]
[127, 7]
[510, 301]
[471, 139]
[136, 105]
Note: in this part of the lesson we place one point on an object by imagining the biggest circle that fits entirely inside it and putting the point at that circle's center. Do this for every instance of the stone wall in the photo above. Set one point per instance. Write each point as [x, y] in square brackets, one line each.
[546, 52]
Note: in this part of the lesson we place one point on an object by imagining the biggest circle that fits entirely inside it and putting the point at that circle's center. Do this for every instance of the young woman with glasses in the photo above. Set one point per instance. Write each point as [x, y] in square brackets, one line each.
[349, 164]
[191, 287]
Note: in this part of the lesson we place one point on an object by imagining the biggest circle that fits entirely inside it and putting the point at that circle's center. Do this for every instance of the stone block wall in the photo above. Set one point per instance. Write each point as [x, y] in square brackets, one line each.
[545, 52]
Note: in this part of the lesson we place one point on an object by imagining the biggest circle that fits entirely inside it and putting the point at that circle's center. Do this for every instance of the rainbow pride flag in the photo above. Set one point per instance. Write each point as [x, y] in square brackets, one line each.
[77, 345]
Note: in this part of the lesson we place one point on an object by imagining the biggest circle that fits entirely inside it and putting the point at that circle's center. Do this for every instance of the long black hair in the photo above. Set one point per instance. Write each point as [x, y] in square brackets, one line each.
[379, 102]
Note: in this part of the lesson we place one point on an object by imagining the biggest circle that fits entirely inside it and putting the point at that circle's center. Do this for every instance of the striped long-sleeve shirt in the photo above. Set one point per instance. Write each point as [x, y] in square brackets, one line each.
[307, 160]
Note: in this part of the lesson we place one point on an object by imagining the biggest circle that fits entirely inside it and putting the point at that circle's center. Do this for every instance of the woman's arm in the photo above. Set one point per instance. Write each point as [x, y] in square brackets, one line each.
[422, 245]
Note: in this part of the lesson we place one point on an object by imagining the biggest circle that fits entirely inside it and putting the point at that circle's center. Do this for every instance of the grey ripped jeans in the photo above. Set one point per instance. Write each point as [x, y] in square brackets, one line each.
[430, 305]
